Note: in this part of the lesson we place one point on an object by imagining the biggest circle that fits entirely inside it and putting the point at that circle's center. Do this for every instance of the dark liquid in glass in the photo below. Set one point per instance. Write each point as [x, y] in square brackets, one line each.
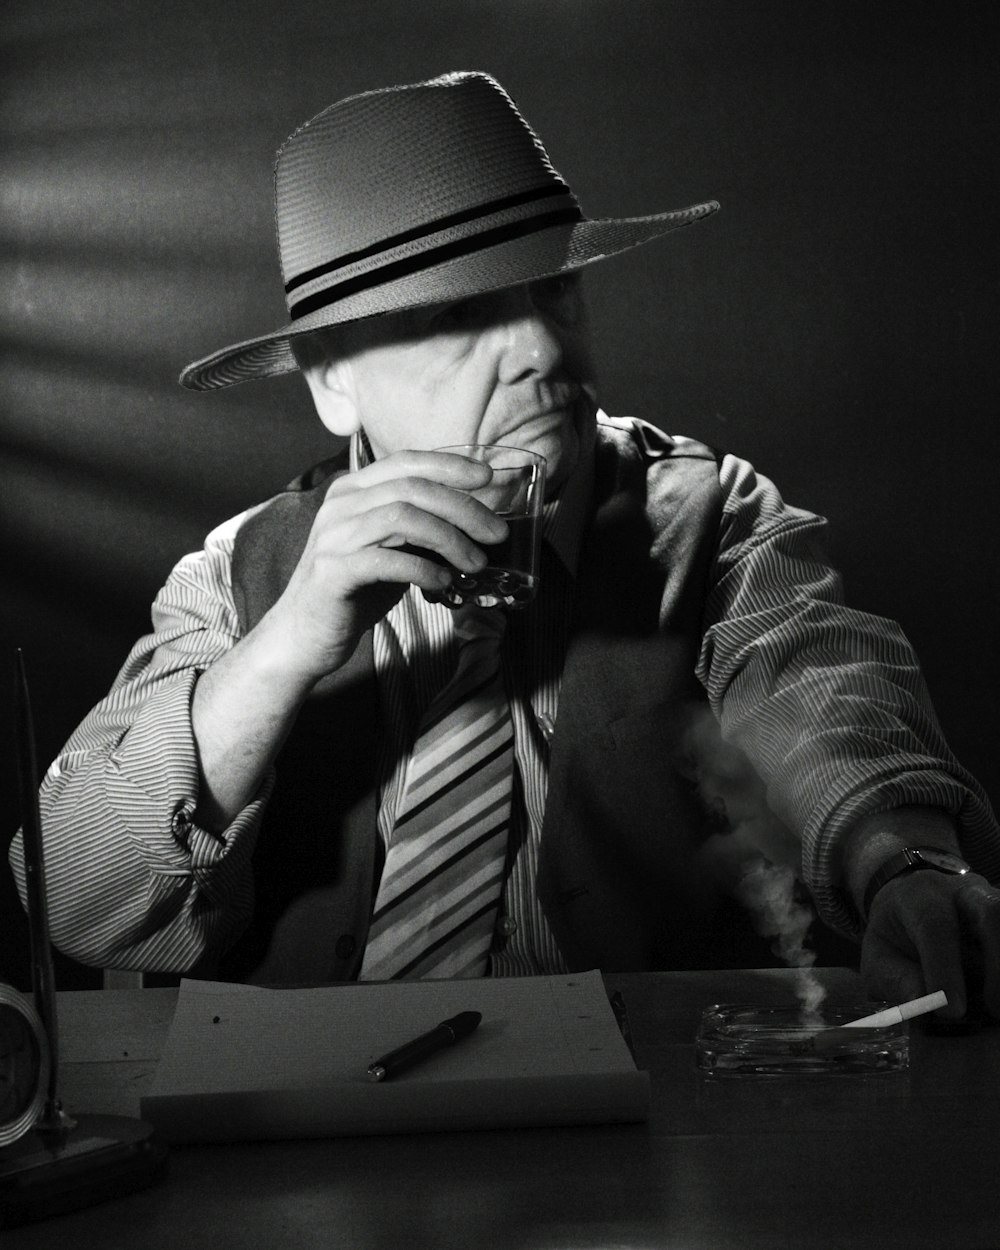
[504, 582]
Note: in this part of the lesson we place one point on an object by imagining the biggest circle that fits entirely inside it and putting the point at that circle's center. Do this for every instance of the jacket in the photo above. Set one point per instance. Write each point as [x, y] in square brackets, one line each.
[617, 877]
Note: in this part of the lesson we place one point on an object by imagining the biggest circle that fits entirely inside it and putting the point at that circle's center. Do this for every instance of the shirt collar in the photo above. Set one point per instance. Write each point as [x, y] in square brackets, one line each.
[359, 453]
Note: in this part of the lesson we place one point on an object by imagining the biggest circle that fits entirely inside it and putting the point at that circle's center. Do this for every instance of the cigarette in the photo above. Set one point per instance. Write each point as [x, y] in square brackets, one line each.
[838, 1034]
[896, 1015]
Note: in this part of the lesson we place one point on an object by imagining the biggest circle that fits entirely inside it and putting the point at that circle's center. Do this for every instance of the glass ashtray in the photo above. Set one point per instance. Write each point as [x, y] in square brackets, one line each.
[738, 1040]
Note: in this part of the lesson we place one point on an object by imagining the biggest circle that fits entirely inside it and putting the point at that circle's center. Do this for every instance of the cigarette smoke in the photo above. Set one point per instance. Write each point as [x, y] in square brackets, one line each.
[755, 857]
[768, 891]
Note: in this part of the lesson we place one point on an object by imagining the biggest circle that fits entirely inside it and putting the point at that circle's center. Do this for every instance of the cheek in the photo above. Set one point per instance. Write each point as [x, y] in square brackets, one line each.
[389, 416]
[577, 355]
[422, 399]
[453, 399]
[421, 417]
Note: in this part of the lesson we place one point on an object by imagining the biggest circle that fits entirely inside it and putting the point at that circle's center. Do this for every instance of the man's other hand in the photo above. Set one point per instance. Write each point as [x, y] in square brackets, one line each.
[931, 931]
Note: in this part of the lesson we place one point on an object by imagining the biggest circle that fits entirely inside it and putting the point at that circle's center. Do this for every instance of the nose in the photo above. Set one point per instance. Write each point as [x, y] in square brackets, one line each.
[531, 344]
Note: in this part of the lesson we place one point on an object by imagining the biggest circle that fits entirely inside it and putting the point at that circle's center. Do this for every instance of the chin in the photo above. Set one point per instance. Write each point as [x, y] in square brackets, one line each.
[561, 454]
[556, 437]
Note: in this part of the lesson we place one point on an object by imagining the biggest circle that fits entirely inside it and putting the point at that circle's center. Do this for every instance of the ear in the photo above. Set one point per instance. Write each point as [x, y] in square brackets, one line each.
[332, 386]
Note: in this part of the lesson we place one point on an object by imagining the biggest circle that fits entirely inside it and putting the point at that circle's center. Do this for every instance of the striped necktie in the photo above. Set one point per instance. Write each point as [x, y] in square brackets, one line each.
[437, 901]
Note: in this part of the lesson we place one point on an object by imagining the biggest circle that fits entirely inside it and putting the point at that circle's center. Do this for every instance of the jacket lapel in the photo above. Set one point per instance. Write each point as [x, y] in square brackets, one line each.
[622, 815]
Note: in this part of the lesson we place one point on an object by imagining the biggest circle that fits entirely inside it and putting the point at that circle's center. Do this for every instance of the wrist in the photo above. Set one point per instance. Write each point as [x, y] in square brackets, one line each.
[241, 711]
[909, 860]
[281, 658]
[878, 843]
[301, 647]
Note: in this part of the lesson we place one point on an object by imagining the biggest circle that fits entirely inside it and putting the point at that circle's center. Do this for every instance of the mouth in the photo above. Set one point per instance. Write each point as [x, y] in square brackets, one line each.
[549, 416]
[552, 415]
[536, 428]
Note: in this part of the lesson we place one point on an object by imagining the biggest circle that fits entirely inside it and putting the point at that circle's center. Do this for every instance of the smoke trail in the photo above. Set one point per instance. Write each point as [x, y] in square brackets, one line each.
[768, 891]
[754, 856]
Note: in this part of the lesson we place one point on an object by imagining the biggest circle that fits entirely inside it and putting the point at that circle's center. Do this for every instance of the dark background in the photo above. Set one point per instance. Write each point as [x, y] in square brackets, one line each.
[835, 323]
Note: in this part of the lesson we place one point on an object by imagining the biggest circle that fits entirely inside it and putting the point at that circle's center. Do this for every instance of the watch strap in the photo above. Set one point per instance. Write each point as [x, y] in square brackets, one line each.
[908, 859]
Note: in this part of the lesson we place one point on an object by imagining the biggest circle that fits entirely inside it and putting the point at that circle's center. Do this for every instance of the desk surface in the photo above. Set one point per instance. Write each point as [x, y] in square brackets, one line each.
[901, 1160]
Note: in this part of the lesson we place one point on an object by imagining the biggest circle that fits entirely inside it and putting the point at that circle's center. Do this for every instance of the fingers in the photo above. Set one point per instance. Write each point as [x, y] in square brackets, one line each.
[445, 467]
[403, 543]
[888, 973]
[400, 496]
[938, 939]
[915, 920]
[978, 905]
[918, 940]
[430, 524]
[394, 566]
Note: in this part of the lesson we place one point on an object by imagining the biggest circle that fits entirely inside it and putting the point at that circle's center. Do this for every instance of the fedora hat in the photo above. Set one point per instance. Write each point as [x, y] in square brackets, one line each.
[415, 195]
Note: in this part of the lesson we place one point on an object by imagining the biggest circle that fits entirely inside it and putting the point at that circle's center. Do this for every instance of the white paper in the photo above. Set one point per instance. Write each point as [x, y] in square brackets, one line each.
[244, 1062]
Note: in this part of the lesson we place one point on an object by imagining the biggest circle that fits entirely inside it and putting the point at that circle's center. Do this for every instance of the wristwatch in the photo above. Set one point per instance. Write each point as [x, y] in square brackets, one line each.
[912, 859]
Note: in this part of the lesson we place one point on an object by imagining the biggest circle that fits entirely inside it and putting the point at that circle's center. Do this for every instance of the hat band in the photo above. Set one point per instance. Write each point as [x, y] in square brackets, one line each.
[448, 222]
[424, 259]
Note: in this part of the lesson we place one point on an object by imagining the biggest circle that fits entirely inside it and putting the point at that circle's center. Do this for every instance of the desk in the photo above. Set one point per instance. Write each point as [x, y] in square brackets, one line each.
[900, 1160]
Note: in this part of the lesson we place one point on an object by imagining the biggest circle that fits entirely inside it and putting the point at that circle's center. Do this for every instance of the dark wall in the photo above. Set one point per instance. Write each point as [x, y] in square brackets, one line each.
[835, 323]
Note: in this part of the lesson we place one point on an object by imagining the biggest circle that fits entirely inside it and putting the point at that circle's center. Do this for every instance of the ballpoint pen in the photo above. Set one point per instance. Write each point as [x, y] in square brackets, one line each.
[445, 1034]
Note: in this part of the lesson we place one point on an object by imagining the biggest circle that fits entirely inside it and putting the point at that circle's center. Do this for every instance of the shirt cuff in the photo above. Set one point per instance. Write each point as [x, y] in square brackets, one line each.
[932, 788]
[153, 783]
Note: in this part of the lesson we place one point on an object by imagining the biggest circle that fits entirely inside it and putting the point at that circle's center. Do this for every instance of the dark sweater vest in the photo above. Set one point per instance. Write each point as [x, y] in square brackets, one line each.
[623, 821]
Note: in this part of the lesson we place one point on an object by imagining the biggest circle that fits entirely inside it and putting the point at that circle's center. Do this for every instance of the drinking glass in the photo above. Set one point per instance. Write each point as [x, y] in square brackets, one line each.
[516, 492]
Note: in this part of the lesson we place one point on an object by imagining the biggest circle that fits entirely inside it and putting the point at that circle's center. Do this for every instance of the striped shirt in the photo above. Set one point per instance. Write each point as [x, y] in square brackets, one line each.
[134, 882]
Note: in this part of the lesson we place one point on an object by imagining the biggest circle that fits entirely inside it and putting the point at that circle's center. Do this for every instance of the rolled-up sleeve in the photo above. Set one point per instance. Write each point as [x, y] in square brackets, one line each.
[828, 702]
[132, 881]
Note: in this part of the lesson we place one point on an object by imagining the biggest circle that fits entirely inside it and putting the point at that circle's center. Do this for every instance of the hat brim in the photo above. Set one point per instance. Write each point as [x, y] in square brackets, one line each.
[558, 249]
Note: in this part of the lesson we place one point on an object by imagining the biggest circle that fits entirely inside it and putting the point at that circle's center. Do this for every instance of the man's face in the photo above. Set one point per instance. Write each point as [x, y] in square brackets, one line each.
[504, 367]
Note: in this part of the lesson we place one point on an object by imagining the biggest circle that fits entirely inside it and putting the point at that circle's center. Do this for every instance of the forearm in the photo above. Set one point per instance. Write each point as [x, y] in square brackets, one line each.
[830, 706]
[855, 763]
[241, 712]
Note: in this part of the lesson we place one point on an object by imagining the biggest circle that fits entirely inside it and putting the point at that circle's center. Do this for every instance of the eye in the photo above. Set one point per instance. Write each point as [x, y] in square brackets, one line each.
[556, 286]
[463, 314]
[559, 296]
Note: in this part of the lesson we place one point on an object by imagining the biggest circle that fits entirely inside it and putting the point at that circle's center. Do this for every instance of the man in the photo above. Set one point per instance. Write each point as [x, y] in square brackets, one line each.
[241, 803]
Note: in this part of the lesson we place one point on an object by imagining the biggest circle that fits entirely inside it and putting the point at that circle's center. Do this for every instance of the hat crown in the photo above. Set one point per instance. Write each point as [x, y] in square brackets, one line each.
[385, 165]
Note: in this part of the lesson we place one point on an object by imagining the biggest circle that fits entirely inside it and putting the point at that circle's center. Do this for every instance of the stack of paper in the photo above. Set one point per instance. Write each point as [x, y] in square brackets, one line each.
[242, 1062]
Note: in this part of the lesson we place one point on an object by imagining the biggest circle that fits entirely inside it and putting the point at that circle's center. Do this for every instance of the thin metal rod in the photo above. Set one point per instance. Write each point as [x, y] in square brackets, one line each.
[43, 981]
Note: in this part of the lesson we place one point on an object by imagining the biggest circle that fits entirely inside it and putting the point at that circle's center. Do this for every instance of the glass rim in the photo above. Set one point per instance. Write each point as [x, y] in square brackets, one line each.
[534, 456]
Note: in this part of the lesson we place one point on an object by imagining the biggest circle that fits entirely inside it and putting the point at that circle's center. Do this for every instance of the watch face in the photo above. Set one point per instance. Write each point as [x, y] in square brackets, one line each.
[940, 859]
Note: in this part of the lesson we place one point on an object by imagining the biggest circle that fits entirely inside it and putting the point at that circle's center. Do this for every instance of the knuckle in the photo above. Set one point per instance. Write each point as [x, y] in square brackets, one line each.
[393, 513]
[400, 514]
[340, 486]
[376, 560]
